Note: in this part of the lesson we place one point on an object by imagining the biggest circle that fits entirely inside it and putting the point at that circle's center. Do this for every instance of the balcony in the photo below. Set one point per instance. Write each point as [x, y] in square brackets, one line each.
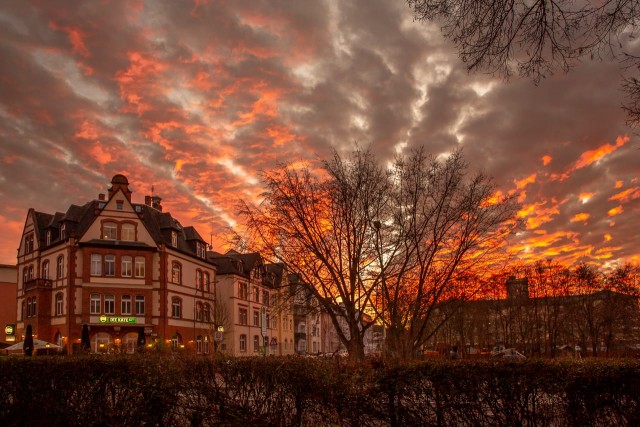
[37, 284]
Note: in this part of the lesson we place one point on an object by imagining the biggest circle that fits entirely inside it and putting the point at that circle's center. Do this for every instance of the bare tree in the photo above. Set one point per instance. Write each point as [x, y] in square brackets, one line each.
[383, 245]
[439, 233]
[318, 225]
[536, 37]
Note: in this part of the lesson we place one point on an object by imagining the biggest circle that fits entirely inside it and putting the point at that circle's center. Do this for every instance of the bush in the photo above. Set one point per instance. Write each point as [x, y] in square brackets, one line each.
[159, 390]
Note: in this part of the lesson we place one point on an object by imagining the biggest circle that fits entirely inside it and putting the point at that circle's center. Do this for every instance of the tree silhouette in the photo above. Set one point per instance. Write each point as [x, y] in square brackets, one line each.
[27, 346]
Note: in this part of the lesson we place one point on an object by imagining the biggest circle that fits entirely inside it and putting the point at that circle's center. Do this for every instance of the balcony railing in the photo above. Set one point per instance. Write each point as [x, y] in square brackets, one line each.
[37, 284]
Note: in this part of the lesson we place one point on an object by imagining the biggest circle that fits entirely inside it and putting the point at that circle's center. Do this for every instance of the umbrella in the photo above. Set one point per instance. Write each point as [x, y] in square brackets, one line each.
[37, 344]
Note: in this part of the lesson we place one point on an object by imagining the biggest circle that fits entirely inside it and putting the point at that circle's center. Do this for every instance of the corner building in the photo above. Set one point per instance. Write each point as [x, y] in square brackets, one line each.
[128, 271]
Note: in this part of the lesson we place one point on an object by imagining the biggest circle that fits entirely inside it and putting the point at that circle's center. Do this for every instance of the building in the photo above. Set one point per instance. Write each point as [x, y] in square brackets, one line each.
[127, 270]
[590, 322]
[254, 320]
[8, 292]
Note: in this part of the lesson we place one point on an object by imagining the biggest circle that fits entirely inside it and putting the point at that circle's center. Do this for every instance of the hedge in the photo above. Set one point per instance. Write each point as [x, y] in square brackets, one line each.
[189, 391]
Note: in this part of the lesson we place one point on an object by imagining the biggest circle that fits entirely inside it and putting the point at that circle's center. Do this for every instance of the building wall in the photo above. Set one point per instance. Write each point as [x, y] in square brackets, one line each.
[8, 292]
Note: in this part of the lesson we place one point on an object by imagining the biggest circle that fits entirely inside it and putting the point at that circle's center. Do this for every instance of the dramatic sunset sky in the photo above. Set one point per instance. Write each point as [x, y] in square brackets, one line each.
[196, 98]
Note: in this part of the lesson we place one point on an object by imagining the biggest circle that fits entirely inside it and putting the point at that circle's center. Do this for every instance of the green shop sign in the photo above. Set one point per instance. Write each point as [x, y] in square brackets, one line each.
[107, 319]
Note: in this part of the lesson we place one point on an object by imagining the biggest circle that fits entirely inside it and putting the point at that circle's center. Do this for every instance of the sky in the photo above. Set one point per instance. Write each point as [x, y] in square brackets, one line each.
[195, 98]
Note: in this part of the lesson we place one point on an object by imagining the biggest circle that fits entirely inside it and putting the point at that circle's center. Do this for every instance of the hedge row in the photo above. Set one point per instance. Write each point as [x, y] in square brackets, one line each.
[169, 391]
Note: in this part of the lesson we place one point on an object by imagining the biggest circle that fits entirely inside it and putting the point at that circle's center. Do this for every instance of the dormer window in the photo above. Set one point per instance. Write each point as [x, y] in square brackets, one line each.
[174, 239]
[119, 205]
[48, 237]
[63, 232]
[200, 250]
[109, 231]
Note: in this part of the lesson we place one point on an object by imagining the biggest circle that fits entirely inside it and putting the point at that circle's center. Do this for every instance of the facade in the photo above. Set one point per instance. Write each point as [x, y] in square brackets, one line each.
[254, 319]
[129, 271]
[8, 292]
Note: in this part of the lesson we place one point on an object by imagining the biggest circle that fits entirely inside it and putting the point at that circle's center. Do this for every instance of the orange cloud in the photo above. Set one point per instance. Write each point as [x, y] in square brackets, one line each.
[615, 211]
[526, 181]
[584, 197]
[619, 184]
[589, 157]
[627, 195]
[607, 237]
[581, 217]
[76, 38]
[546, 159]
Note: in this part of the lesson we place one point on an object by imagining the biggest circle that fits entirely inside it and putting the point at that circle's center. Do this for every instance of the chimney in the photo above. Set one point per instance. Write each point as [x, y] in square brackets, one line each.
[155, 203]
[102, 196]
[147, 200]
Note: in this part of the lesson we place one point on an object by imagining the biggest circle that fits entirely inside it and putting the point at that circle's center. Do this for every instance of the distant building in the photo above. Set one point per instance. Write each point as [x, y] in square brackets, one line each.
[255, 320]
[592, 322]
[128, 270]
[8, 292]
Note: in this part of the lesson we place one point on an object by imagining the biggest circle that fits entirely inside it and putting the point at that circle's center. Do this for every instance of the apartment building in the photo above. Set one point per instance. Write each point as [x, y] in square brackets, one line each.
[126, 270]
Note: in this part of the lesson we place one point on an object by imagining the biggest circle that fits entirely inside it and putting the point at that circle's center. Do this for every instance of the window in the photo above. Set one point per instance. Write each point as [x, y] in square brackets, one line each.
[119, 205]
[265, 297]
[128, 232]
[63, 232]
[110, 265]
[28, 307]
[24, 310]
[207, 312]
[28, 243]
[48, 237]
[45, 270]
[60, 267]
[139, 304]
[31, 272]
[94, 306]
[126, 266]
[206, 282]
[256, 343]
[256, 294]
[96, 265]
[125, 304]
[109, 231]
[199, 311]
[243, 343]
[25, 275]
[199, 279]
[243, 291]
[199, 344]
[109, 304]
[34, 311]
[206, 344]
[256, 318]
[176, 273]
[59, 304]
[267, 321]
[174, 239]
[176, 308]
[242, 316]
[139, 266]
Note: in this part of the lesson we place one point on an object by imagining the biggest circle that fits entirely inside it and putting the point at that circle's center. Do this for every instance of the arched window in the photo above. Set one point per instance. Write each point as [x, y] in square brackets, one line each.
[60, 267]
[140, 266]
[45, 269]
[125, 304]
[126, 266]
[207, 312]
[109, 230]
[176, 308]
[128, 232]
[176, 341]
[243, 343]
[199, 311]
[206, 282]
[176, 273]
[110, 265]
[199, 344]
[59, 304]
[199, 279]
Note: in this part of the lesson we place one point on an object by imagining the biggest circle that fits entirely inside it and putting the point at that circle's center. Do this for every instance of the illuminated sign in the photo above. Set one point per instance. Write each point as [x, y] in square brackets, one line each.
[10, 329]
[108, 319]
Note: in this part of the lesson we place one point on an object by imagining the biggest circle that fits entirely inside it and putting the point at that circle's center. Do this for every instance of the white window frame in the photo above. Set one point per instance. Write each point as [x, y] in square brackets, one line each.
[128, 232]
[126, 266]
[59, 304]
[96, 265]
[140, 305]
[94, 304]
[110, 265]
[109, 304]
[140, 267]
[109, 230]
[125, 305]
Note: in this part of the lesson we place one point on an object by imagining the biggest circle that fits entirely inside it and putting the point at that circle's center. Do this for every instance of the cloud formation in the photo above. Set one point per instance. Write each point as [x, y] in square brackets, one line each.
[197, 98]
